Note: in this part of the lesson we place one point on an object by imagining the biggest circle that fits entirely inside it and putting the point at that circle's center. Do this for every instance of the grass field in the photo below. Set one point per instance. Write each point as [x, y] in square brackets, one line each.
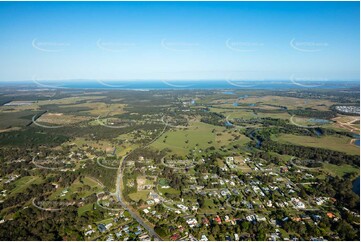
[24, 182]
[340, 170]
[139, 195]
[62, 119]
[168, 190]
[341, 144]
[290, 102]
[198, 136]
[198, 133]
[77, 188]
[85, 208]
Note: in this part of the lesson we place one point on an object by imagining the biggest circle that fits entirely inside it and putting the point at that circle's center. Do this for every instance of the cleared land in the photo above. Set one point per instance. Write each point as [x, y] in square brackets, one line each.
[197, 136]
[341, 144]
[340, 170]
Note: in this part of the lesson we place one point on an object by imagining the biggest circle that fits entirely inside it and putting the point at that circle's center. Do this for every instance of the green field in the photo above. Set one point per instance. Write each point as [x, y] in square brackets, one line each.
[168, 191]
[25, 182]
[139, 195]
[198, 133]
[198, 136]
[336, 143]
[85, 208]
[77, 188]
[340, 170]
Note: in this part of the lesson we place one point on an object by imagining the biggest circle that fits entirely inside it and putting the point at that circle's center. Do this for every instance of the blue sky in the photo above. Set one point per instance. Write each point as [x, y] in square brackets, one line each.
[180, 40]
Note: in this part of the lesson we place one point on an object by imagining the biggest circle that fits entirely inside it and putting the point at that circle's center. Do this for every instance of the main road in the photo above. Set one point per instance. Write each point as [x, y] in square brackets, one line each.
[119, 194]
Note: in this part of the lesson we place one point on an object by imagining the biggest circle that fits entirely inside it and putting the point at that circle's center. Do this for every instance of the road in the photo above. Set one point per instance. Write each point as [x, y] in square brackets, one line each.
[119, 194]
[127, 207]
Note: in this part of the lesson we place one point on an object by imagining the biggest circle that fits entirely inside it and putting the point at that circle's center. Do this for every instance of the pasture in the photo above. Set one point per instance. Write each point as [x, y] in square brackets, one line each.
[337, 143]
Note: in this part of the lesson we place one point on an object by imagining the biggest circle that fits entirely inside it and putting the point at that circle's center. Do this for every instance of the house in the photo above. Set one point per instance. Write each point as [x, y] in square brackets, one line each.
[236, 237]
[102, 228]
[182, 207]
[297, 203]
[108, 225]
[269, 203]
[218, 219]
[181, 228]
[192, 222]
[206, 222]
[330, 215]
[283, 169]
[144, 237]
[320, 200]
[194, 208]
[89, 232]
[175, 237]
[305, 217]
[204, 238]
[296, 219]
[155, 197]
[316, 217]
[192, 238]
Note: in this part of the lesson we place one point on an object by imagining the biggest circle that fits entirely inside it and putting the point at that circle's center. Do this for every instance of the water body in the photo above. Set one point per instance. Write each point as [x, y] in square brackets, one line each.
[258, 141]
[356, 186]
[154, 85]
[228, 124]
[357, 141]
[318, 121]
[243, 97]
[235, 104]
[318, 132]
[228, 93]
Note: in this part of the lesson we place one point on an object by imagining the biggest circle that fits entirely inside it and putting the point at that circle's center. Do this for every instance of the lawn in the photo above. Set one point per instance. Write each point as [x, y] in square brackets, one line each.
[139, 195]
[168, 191]
[85, 208]
[209, 207]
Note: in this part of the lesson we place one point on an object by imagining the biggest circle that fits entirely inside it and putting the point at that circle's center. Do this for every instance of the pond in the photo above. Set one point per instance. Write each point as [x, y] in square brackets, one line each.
[228, 93]
[356, 186]
[357, 141]
[318, 121]
[228, 124]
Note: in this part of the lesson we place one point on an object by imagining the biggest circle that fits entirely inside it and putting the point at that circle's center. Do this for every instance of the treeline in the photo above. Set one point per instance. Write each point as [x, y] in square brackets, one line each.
[213, 118]
[318, 154]
[312, 113]
[262, 139]
[31, 138]
[284, 126]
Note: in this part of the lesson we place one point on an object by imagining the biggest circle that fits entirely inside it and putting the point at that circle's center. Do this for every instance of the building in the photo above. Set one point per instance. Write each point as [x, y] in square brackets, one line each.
[102, 228]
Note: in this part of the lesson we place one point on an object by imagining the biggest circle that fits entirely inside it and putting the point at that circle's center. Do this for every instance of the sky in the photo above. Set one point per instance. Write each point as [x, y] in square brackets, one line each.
[179, 40]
